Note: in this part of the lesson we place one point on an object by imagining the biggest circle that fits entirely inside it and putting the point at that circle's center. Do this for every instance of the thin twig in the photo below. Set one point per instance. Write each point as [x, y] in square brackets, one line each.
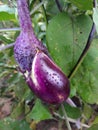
[6, 46]
[58, 5]
[71, 120]
[70, 102]
[65, 117]
[9, 29]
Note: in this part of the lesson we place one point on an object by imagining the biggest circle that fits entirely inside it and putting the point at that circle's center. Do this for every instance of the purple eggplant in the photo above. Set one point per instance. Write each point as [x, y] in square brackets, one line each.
[47, 81]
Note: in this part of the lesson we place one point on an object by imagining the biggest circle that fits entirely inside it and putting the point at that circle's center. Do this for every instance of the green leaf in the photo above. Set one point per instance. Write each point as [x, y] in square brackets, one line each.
[7, 13]
[95, 18]
[95, 120]
[94, 127]
[18, 110]
[20, 86]
[6, 16]
[72, 112]
[51, 7]
[87, 111]
[66, 39]
[86, 78]
[83, 4]
[39, 112]
[11, 124]
[6, 40]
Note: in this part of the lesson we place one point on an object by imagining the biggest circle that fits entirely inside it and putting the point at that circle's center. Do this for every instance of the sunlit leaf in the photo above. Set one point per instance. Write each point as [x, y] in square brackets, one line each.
[7, 13]
[83, 4]
[95, 120]
[6, 16]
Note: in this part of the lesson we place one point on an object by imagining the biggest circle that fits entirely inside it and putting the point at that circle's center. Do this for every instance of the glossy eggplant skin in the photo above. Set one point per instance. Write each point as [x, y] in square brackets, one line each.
[47, 81]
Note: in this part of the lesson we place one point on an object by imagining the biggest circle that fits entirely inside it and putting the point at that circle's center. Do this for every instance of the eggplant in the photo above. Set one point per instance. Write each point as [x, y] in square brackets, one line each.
[47, 80]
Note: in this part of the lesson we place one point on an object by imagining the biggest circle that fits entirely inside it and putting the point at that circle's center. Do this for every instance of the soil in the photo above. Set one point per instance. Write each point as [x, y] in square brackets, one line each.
[52, 124]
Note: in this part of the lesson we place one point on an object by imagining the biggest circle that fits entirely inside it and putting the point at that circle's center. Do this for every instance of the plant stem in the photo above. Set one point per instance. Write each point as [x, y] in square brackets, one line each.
[65, 117]
[24, 16]
[58, 5]
[9, 29]
[6, 46]
[71, 120]
[70, 102]
[25, 22]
